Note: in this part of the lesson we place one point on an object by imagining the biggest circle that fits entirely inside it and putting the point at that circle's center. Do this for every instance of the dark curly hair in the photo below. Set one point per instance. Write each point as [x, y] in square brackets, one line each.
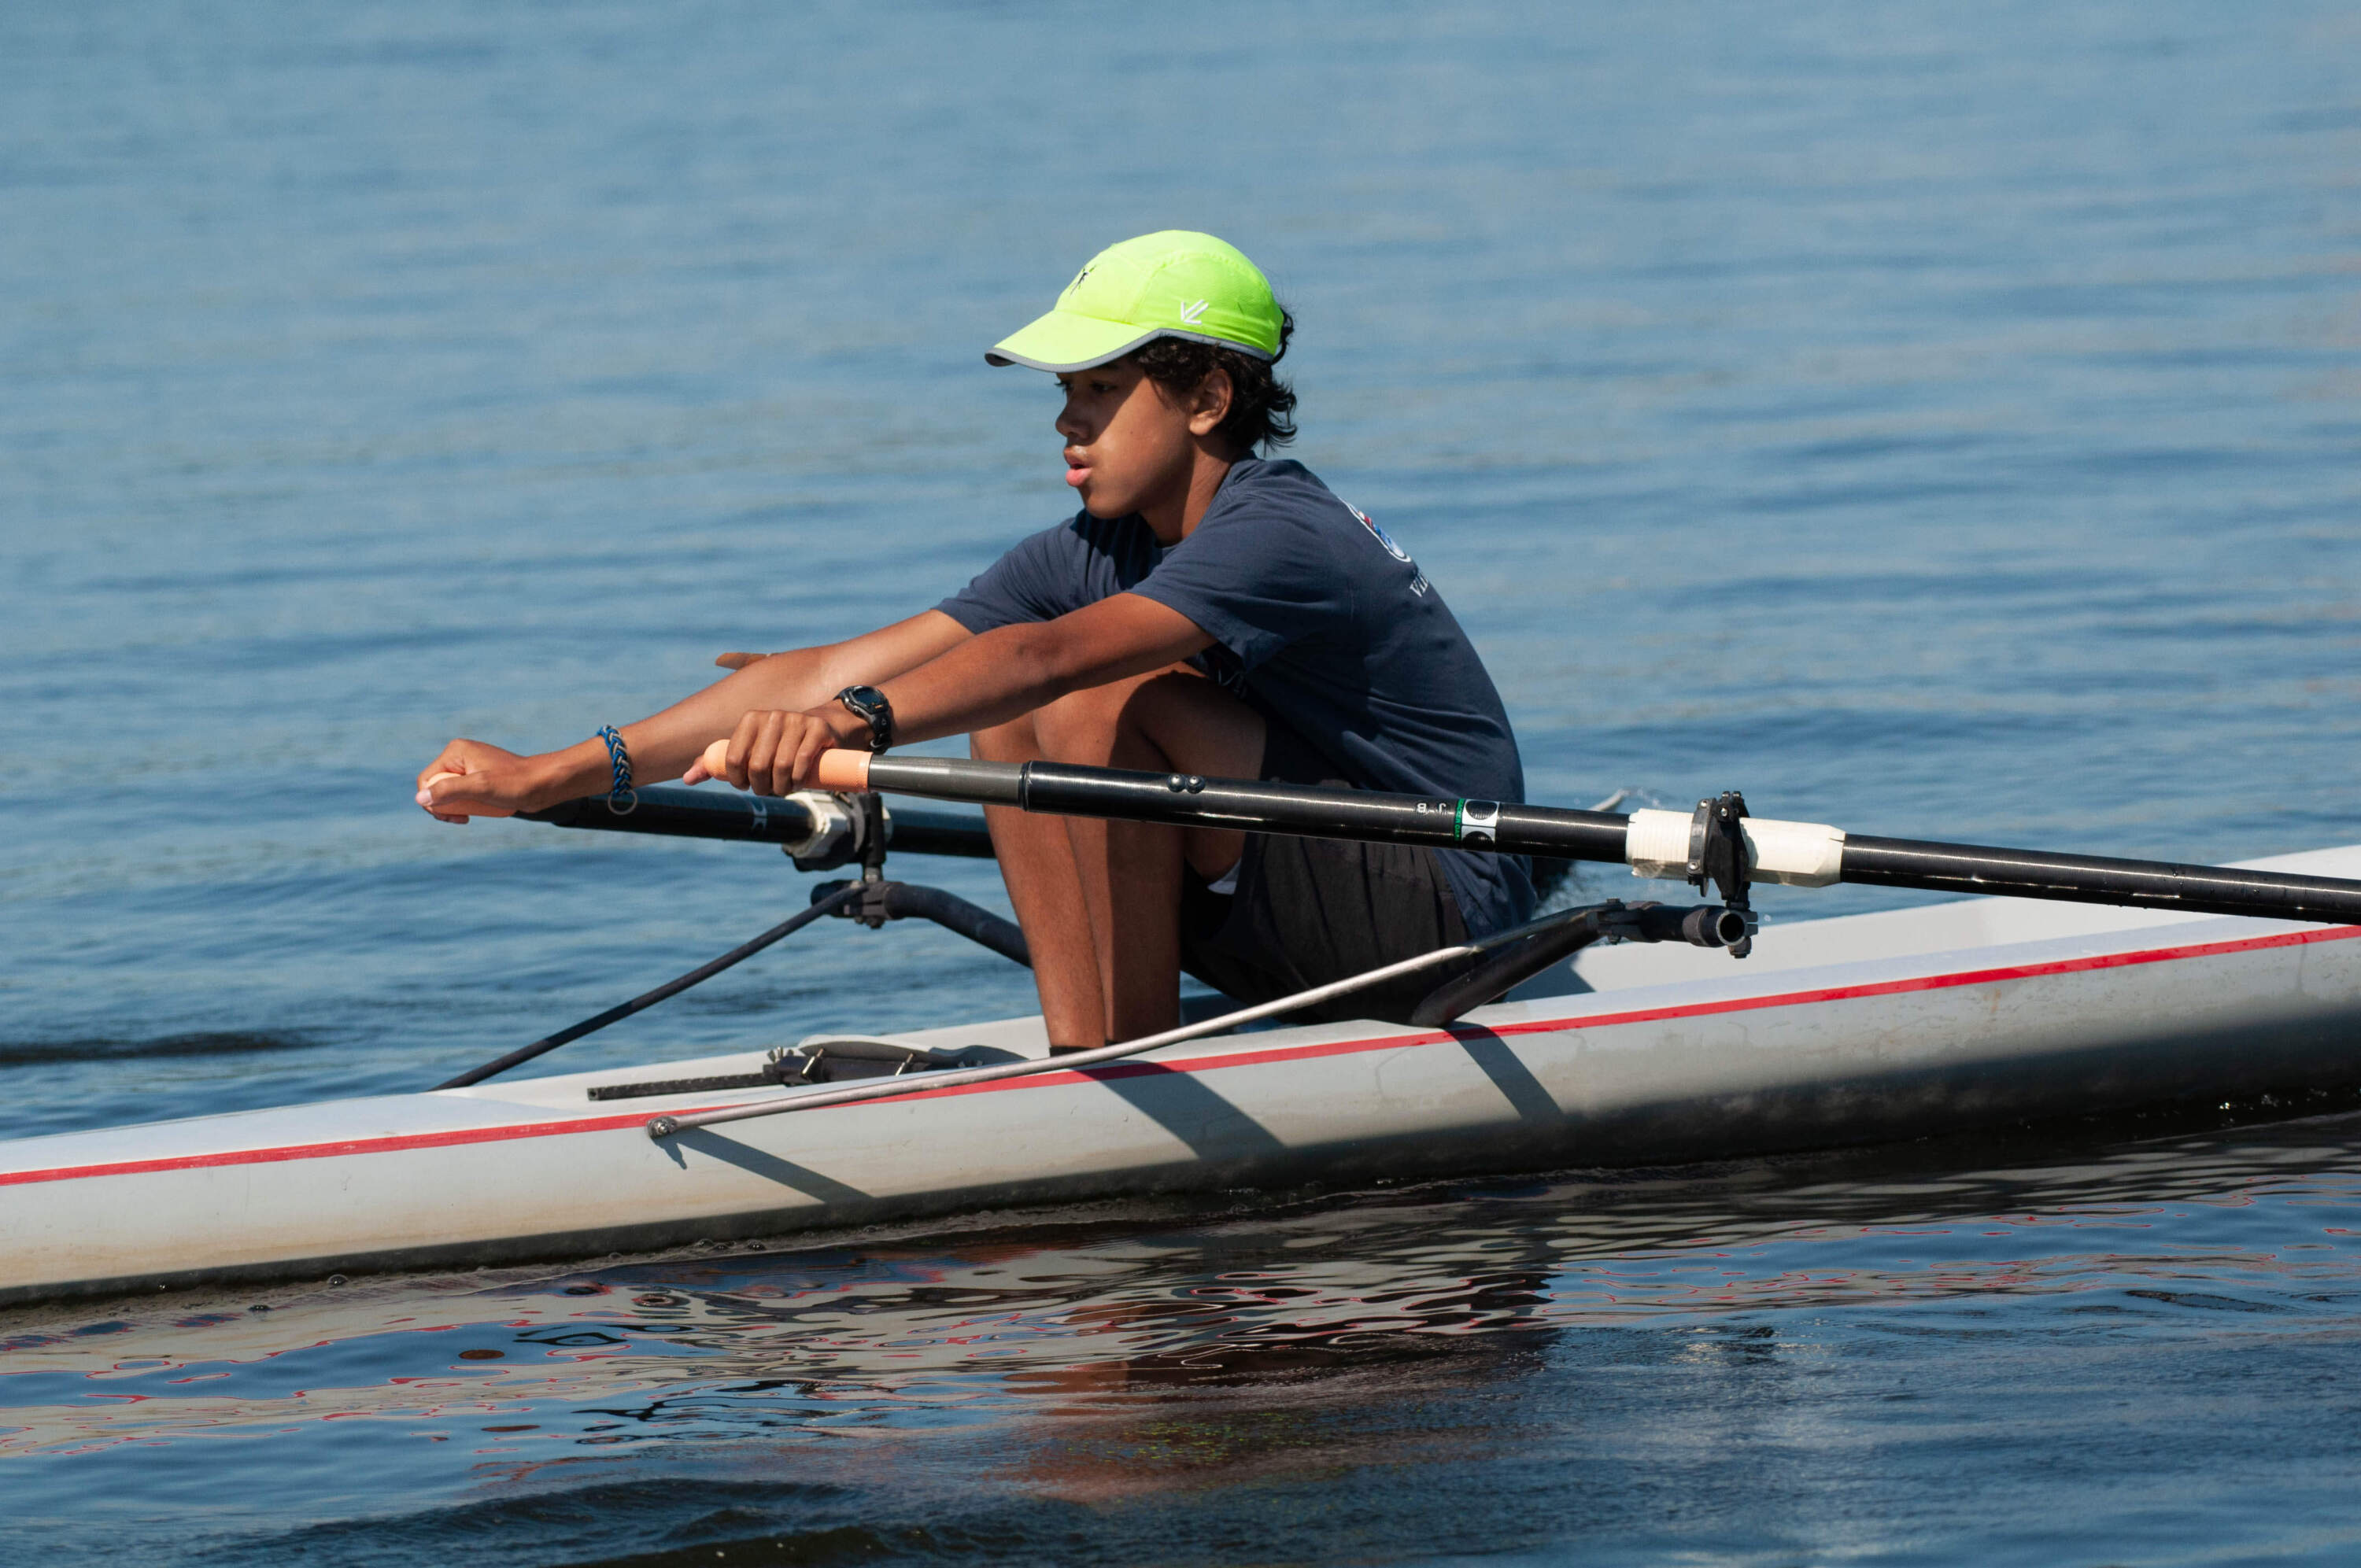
[1260, 403]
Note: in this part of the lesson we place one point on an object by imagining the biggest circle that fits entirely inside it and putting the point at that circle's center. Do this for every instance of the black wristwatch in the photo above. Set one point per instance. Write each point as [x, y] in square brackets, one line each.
[869, 704]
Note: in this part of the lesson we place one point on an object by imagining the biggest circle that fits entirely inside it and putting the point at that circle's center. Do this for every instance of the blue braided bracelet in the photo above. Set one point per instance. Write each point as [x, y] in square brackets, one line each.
[622, 798]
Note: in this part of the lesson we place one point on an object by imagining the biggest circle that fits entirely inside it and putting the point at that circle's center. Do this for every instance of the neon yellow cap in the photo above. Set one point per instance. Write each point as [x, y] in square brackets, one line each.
[1174, 283]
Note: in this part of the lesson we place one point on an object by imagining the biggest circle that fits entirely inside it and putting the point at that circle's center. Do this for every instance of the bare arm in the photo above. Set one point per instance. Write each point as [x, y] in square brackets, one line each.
[993, 677]
[492, 781]
[980, 681]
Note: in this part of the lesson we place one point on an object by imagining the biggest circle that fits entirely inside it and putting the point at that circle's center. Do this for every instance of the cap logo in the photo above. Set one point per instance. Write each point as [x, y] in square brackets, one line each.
[1078, 279]
[1192, 313]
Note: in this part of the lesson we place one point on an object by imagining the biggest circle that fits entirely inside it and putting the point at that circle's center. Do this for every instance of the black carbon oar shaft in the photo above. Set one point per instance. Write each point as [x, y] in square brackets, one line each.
[1261, 807]
[2095, 878]
[673, 811]
[1254, 806]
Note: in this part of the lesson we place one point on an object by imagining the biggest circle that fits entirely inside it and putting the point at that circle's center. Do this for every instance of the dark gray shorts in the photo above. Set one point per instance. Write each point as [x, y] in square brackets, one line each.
[1308, 911]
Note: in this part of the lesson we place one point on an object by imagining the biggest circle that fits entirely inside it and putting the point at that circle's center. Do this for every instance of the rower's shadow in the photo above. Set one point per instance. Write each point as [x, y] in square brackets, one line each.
[1179, 1102]
[1515, 1081]
[1185, 1106]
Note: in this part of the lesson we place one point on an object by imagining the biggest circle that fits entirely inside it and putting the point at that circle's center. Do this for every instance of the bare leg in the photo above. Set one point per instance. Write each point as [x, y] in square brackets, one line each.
[1129, 873]
[1037, 861]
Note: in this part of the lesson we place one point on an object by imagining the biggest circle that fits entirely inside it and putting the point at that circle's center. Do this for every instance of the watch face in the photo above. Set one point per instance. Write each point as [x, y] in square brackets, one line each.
[869, 703]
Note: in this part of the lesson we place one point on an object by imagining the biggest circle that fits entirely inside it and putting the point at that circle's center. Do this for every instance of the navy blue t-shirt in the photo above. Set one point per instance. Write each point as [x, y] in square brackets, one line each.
[1320, 621]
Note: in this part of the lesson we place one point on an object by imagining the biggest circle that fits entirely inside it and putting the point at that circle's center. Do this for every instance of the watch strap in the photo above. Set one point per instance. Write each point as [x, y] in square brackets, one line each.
[869, 705]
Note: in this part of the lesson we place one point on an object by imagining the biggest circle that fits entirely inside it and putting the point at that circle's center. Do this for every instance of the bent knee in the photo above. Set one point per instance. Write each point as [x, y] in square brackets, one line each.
[1086, 721]
[1015, 741]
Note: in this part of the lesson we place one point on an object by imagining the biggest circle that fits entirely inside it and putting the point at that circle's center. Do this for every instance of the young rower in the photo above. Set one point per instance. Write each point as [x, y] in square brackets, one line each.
[1208, 610]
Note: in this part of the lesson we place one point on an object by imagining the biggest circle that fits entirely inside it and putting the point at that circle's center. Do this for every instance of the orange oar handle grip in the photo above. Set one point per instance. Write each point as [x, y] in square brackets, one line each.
[839, 770]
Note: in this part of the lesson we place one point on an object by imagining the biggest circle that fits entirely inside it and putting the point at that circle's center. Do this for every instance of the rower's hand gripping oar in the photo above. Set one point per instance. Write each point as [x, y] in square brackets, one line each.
[1717, 843]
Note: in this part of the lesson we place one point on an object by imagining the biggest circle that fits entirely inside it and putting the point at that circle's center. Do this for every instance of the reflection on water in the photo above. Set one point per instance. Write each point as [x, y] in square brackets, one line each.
[1078, 1385]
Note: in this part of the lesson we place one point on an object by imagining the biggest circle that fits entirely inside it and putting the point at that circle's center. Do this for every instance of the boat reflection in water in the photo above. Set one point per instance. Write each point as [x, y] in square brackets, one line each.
[1104, 1358]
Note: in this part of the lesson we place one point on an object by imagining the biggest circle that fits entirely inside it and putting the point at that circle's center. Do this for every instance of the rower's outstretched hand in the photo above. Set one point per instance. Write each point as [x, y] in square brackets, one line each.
[471, 779]
[777, 752]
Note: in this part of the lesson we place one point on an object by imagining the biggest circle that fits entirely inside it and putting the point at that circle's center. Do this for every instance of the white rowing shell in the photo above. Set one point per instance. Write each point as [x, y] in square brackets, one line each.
[1850, 1030]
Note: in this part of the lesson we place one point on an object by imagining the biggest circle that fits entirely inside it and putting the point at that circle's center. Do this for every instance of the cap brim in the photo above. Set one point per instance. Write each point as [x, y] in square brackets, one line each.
[1061, 342]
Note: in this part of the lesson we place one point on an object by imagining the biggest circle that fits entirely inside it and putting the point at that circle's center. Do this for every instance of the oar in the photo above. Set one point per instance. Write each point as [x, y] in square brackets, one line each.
[1678, 846]
[799, 824]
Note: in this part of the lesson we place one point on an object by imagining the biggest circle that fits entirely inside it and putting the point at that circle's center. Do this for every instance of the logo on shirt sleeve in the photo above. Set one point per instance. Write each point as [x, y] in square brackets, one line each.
[1380, 535]
[1419, 584]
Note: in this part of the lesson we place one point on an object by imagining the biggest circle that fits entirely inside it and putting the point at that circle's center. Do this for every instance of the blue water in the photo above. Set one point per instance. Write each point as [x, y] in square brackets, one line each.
[1940, 421]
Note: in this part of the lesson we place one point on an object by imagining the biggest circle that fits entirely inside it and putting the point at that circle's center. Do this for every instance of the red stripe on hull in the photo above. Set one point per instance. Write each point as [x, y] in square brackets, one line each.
[396, 1143]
